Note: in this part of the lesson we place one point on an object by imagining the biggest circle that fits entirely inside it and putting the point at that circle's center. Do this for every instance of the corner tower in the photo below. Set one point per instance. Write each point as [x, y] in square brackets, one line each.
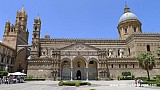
[16, 34]
[128, 24]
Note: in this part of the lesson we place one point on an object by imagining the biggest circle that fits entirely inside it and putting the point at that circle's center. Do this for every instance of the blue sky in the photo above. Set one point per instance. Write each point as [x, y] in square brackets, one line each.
[81, 18]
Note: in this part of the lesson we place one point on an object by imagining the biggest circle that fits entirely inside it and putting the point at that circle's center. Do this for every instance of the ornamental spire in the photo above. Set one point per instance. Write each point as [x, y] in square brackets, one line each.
[126, 9]
[22, 10]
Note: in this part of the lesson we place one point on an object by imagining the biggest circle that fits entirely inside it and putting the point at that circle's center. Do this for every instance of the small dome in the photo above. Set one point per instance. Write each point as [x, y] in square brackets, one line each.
[128, 16]
[47, 36]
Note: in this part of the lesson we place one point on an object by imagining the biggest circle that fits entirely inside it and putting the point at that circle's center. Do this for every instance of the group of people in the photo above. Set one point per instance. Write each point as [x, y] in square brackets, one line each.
[9, 80]
[139, 82]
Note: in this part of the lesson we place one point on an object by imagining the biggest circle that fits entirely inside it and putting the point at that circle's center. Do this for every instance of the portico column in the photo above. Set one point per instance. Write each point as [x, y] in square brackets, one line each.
[71, 70]
[71, 73]
[87, 73]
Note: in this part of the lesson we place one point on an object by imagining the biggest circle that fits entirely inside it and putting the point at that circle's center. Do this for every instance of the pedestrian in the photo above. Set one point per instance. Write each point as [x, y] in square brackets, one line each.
[141, 83]
[0, 81]
[136, 82]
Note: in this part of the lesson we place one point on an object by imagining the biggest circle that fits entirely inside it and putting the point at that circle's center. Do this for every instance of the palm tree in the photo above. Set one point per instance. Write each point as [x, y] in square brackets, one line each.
[146, 62]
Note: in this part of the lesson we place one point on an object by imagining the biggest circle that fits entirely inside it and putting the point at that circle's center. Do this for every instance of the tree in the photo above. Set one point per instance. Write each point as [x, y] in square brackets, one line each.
[146, 62]
[158, 51]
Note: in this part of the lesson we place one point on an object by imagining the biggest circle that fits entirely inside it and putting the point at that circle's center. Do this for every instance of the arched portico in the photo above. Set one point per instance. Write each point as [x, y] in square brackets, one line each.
[92, 69]
[80, 68]
[65, 69]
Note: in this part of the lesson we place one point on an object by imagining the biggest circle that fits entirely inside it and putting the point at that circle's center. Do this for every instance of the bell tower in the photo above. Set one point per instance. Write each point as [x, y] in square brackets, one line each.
[36, 38]
[16, 34]
[128, 24]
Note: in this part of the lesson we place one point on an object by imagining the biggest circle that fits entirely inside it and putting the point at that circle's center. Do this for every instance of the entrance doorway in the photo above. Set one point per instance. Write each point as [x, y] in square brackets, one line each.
[78, 75]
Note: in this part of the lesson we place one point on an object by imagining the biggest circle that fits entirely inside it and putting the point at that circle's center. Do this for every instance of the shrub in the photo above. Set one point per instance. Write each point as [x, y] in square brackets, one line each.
[88, 83]
[158, 77]
[158, 84]
[133, 77]
[126, 73]
[92, 89]
[126, 78]
[145, 82]
[73, 83]
[34, 79]
[143, 78]
[77, 84]
[60, 83]
[3, 73]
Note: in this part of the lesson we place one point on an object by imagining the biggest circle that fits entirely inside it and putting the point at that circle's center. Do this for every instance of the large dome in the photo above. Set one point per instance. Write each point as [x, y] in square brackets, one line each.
[128, 16]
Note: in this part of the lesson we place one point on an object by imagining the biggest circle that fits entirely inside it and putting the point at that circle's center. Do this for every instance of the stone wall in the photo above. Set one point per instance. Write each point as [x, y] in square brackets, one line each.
[135, 72]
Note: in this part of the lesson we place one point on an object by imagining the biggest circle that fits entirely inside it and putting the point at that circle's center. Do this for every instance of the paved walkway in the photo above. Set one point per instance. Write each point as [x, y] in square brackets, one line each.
[98, 85]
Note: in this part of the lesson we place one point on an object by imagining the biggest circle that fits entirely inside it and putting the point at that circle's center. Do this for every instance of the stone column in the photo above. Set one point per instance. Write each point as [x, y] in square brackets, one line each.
[87, 73]
[71, 70]
[98, 72]
[71, 73]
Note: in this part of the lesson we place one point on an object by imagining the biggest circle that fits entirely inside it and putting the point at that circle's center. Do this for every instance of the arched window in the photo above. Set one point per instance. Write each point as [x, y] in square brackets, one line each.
[35, 28]
[125, 30]
[125, 65]
[133, 65]
[129, 51]
[112, 65]
[148, 48]
[134, 29]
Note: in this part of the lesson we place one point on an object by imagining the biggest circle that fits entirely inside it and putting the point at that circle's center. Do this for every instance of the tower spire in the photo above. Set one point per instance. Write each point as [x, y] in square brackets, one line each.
[125, 4]
[22, 10]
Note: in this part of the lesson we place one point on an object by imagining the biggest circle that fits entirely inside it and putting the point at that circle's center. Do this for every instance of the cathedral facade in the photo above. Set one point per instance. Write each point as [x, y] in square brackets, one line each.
[78, 59]
[87, 59]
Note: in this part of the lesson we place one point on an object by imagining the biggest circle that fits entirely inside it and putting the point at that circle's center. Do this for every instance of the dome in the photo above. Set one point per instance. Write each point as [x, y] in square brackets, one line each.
[47, 36]
[128, 16]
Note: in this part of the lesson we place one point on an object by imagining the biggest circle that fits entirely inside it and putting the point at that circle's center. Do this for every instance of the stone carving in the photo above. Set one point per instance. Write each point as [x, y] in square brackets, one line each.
[121, 53]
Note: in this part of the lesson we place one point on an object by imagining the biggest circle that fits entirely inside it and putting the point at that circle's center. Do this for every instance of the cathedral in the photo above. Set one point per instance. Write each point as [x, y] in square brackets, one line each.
[81, 59]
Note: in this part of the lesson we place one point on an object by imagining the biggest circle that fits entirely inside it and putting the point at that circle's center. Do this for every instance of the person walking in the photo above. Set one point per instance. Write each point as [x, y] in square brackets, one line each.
[141, 83]
[136, 82]
[0, 81]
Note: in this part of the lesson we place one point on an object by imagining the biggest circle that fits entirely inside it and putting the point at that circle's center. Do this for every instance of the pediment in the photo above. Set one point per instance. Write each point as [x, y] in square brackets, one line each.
[79, 47]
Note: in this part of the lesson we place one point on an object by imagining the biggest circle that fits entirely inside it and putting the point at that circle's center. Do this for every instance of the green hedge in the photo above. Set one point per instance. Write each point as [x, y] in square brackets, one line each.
[73, 83]
[34, 79]
[126, 73]
[3, 73]
[153, 82]
[158, 84]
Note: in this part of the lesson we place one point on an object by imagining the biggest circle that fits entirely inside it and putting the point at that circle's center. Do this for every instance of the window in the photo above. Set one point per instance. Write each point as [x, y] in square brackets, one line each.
[112, 65]
[35, 28]
[126, 30]
[118, 52]
[125, 65]
[148, 48]
[35, 36]
[129, 51]
[133, 65]
[11, 30]
[134, 29]
[119, 65]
